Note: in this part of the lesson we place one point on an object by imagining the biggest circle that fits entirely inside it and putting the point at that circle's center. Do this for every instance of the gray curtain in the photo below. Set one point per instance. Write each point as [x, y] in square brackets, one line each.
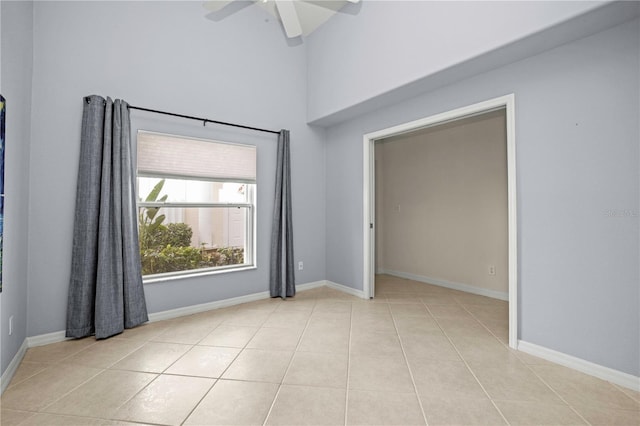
[282, 273]
[105, 292]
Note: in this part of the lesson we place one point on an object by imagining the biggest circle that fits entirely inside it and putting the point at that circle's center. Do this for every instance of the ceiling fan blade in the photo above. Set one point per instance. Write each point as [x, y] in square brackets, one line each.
[289, 18]
[215, 5]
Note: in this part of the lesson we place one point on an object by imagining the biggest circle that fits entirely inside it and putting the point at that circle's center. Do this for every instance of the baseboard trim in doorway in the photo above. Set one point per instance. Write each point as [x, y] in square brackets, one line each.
[494, 294]
[605, 373]
[345, 289]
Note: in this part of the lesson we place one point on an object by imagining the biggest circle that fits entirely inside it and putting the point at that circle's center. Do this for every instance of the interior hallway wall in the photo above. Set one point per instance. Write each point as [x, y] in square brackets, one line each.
[443, 203]
[578, 183]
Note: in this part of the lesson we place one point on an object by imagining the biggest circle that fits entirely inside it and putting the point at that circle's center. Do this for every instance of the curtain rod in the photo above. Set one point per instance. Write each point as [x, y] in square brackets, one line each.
[204, 120]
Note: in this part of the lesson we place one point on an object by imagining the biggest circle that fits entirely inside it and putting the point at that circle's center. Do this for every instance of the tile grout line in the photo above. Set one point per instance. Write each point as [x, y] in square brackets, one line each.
[129, 353]
[346, 392]
[555, 392]
[216, 380]
[275, 397]
[76, 416]
[479, 321]
[629, 393]
[147, 372]
[59, 362]
[41, 410]
[11, 384]
[525, 365]
[467, 364]
[170, 365]
[468, 367]
[413, 381]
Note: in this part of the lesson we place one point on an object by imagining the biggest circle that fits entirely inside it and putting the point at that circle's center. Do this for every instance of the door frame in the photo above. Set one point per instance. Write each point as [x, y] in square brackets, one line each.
[508, 103]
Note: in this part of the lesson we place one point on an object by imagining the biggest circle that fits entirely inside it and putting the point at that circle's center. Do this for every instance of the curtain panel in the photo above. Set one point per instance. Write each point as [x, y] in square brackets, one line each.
[282, 273]
[106, 294]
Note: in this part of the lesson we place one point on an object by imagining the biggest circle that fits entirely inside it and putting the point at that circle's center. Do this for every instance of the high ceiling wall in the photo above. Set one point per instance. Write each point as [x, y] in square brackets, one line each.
[388, 51]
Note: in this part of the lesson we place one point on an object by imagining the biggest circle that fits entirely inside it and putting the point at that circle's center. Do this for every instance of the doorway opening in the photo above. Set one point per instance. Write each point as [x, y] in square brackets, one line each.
[505, 105]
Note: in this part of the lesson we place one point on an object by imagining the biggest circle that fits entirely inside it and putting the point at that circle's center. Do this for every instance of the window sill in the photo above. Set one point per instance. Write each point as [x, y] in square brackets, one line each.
[186, 275]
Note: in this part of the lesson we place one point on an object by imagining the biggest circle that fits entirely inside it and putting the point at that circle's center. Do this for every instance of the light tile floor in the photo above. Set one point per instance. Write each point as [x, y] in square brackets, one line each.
[417, 354]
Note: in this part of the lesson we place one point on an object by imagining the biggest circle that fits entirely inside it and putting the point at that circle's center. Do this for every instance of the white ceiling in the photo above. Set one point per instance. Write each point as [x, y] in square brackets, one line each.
[311, 13]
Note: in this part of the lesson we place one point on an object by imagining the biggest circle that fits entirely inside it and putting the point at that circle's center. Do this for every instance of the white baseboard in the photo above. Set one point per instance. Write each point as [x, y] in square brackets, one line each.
[309, 286]
[13, 366]
[203, 307]
[59, 336]
[195, 309]
[494, 294]
[45, 339]
[605, 373]
[345, 289]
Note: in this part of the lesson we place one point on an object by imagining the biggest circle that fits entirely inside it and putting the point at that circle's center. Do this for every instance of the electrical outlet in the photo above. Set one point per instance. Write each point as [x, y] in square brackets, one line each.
[300, 266]
[10, 325]
[492, 270]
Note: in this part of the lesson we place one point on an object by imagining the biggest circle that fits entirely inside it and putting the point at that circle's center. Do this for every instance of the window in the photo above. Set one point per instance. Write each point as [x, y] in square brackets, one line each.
[196, 205]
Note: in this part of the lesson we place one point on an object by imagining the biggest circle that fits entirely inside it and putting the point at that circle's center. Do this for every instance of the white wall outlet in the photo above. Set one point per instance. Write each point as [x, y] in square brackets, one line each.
[10, 325]
[492, 270]
[300, 266]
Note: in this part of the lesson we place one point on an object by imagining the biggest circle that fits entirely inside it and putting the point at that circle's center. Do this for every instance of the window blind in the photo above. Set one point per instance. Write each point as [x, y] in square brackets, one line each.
[167, 155]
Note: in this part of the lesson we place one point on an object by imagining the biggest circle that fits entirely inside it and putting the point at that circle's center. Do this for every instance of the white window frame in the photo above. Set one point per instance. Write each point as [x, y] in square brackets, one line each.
[250, 233]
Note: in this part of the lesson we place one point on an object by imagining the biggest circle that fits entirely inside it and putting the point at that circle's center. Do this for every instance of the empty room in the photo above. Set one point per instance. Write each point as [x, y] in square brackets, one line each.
[357, 212]
[442, 218]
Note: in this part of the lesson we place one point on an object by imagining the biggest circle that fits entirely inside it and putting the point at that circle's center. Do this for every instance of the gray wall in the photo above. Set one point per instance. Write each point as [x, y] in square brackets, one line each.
[167, 56]
[388, 44]
[577, 109]
[17, 61]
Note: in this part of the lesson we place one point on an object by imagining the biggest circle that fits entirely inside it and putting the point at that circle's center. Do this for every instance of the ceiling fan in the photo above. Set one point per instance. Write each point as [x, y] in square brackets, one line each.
[298, 17]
